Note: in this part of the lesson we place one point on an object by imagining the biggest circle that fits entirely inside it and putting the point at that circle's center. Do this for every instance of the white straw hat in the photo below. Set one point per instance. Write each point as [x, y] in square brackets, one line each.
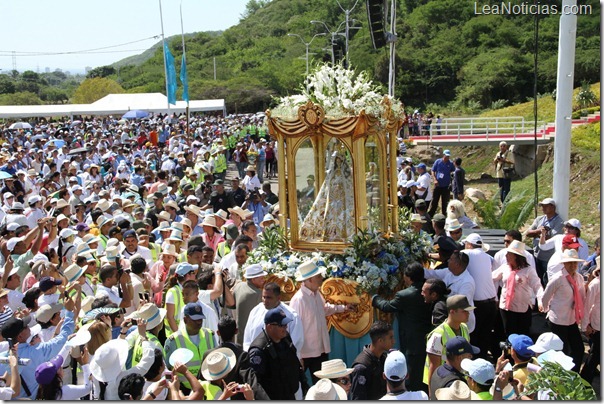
[218, 364]
[333, 369]
[326, 390]
[109, 360]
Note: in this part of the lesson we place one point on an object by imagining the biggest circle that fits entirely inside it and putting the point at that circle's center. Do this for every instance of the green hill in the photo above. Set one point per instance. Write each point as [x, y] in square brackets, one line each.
[445, 54]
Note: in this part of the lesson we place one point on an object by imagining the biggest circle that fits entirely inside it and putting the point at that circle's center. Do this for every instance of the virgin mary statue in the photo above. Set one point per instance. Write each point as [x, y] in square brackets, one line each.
[331, 216]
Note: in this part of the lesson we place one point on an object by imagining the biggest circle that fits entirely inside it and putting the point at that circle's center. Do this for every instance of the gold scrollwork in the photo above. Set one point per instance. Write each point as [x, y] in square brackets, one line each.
[288, 287]
[312, 115]
[342, 291]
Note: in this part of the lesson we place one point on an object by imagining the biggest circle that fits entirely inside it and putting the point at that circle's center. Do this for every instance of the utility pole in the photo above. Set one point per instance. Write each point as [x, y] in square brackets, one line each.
[391, 39]
[333, 36]
[307, 45]
[347, 14]
[564, 98]
[214, 68]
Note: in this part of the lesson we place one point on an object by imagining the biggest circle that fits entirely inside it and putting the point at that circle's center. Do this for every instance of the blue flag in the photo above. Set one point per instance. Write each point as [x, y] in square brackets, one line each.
[184, 79]
[170, 75]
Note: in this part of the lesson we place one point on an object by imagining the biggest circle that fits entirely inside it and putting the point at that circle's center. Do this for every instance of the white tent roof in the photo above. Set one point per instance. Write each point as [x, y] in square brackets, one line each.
[113, 104]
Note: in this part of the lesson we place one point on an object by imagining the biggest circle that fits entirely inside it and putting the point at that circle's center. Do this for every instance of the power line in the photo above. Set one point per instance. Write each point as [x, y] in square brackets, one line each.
[41, 53]
[58, 54]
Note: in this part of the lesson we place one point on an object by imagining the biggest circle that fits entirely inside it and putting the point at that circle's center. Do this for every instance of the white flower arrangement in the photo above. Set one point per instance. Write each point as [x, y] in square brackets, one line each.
[374, 261]
[341, 92]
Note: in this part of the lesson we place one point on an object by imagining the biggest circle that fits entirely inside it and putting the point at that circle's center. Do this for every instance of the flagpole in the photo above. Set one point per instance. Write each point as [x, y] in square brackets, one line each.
[163, 38]
[182, 33]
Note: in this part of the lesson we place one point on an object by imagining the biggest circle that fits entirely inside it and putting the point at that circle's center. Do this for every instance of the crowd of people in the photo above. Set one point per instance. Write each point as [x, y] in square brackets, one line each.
[124, 249]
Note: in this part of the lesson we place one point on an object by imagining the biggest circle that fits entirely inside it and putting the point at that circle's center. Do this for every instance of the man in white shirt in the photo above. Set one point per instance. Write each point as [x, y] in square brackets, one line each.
[313, 310]
[271, 298]
[485, 295]
[424, 190]
[108, 287]
[458, 280]
[131, 247]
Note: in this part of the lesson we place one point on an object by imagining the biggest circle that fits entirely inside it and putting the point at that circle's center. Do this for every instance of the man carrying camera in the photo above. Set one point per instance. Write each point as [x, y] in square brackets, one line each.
[553, 225]
[504, 168]
[518, 348]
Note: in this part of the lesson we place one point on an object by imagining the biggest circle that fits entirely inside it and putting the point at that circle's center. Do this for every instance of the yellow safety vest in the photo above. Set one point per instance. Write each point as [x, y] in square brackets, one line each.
[220, 163]
[182, 257]
[445, 332]
[206, 342]
[210, 390]
[178, 305]
[155, 251]
[137, 350]
[223, 249]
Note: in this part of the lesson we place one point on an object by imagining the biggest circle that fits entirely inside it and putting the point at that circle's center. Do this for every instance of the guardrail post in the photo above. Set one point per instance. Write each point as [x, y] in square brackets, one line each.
[496, 126]
[471, 126]
[487, 133]
[514, 131]
[522, 124]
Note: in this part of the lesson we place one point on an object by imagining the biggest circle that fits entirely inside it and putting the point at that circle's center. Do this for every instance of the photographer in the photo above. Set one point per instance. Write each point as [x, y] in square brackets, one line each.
[255, 203]
[504, 168]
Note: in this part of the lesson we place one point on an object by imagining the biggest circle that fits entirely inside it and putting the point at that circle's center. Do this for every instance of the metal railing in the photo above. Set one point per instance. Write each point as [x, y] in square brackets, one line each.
[489, 126]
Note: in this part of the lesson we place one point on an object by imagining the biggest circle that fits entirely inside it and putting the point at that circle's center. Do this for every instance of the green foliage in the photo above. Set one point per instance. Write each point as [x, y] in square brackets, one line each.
[445, 53]
[584, 112]
[563, 384]
[587, 137]
[512, 215]
[274, 240]
[102, 71]
[586, 98]
[20, 98]
[94, 89]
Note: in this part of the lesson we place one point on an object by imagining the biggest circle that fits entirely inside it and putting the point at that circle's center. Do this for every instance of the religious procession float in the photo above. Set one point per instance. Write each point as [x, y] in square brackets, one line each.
[337, 143]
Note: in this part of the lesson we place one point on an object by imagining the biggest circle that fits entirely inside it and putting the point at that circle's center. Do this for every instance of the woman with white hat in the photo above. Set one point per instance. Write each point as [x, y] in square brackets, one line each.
[520, 282]
[108, 365]
[66, 249]
[563, 300]
[160, 270]
[211, 236]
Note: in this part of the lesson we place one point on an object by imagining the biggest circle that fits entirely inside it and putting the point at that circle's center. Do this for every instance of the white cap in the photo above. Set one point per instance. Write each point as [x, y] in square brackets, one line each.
[546, 342]
[574, 223]
[67, 232]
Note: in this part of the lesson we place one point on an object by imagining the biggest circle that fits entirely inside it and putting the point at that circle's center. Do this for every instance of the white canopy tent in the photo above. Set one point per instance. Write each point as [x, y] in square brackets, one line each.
[113, 104]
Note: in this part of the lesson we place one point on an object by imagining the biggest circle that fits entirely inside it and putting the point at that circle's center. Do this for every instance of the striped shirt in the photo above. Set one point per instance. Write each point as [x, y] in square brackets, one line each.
[5, 315]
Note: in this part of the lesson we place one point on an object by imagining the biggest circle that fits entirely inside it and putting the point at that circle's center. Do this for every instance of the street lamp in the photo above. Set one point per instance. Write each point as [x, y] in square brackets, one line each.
[333, 36]
[307, 44]
[347, 13]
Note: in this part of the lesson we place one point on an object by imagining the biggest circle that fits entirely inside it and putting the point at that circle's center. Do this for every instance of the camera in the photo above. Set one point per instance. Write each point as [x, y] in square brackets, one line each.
[11, 343]
[505, 347]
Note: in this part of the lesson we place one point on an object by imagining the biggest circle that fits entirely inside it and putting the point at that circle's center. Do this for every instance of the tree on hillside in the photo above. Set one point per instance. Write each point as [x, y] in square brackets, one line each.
[252, 6]
[101, 71]
[22, 98]
[94, 89]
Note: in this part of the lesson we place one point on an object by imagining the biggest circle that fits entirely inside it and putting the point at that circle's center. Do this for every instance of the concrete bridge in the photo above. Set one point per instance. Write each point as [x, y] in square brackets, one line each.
[484, 131]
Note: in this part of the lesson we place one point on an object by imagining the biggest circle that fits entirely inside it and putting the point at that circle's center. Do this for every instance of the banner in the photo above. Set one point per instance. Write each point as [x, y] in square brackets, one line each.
[184, 79]
[170, 75]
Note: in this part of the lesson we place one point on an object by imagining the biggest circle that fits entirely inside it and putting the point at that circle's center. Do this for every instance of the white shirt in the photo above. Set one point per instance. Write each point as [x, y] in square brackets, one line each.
[102, 290]
[480, 269]
[251, 184]
[407, 395]
[48, 299]
[143, 251]
[462, 284]
[255, 324]
[15, 300]
[425, 180]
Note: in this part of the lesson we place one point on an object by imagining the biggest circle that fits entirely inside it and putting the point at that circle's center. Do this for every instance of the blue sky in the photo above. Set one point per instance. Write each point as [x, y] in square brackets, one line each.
[74, 25]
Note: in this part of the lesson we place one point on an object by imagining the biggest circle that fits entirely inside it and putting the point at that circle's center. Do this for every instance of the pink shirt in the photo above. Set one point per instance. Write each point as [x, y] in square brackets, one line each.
[313, 310]
[592, 306]
[527, 284]
[212, 242]
[158, 275]
[558, 299]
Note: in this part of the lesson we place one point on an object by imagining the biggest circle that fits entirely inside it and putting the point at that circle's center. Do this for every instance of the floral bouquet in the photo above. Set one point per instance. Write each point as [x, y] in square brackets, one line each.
[375, 261]
[341, 92]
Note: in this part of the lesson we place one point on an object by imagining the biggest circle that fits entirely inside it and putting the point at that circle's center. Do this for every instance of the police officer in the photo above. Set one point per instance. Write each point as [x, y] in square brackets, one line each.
[273, 358]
